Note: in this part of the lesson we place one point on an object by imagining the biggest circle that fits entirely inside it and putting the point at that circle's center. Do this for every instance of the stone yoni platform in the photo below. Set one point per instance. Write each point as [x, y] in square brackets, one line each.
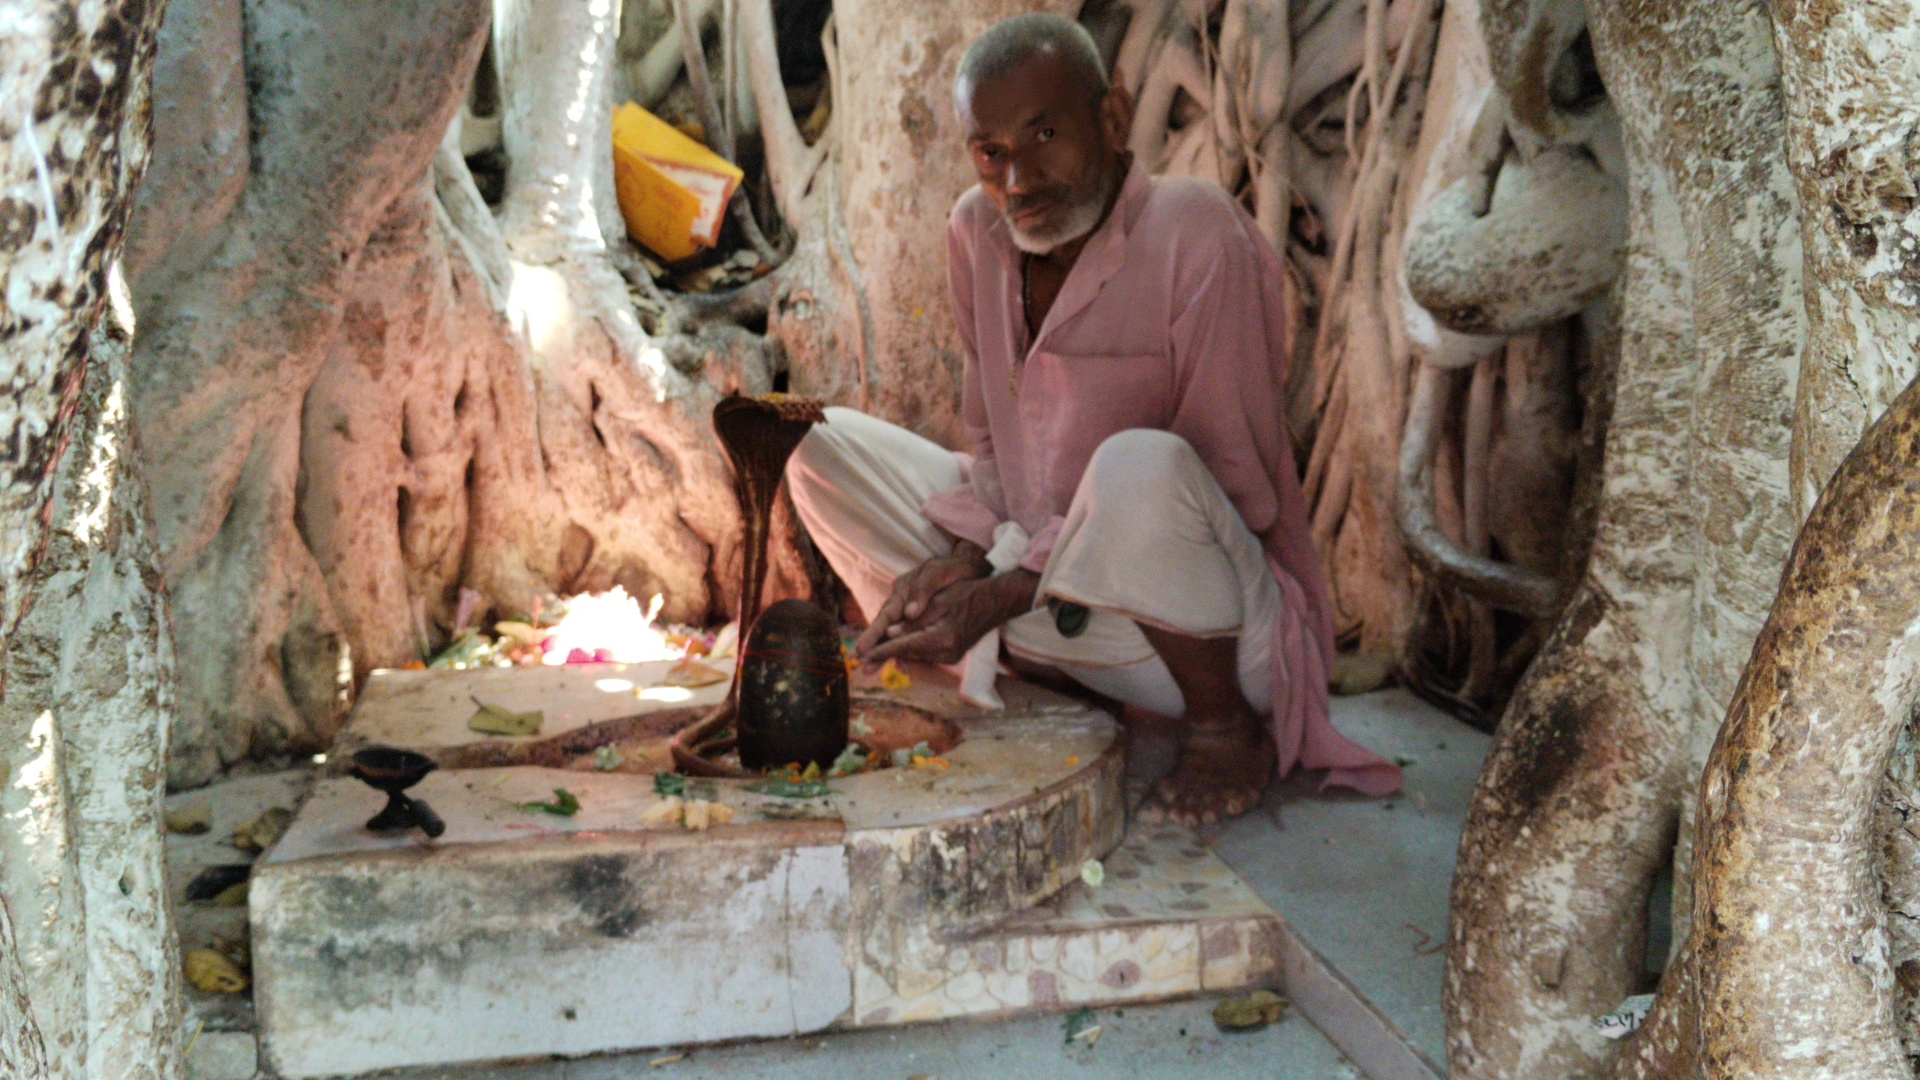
[904, 894]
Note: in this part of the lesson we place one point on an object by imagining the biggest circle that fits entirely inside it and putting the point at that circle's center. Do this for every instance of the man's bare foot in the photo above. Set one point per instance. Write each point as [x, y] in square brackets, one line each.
[1224, 767]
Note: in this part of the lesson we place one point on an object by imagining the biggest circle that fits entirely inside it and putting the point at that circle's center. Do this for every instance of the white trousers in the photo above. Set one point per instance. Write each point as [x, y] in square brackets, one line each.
[1150, 538]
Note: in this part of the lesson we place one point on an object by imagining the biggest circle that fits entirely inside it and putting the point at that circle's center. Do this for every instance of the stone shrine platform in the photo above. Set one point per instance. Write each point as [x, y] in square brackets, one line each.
[905, 894]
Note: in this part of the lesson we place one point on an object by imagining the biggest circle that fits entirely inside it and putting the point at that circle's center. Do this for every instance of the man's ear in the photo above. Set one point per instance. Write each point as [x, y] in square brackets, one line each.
[1116, 116]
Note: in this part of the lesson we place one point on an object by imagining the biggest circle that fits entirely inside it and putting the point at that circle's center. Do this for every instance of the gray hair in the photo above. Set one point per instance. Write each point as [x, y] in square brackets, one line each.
[1010, 43]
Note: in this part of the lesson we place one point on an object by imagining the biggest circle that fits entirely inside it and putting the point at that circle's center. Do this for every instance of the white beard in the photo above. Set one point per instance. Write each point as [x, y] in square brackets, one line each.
[1081, 220]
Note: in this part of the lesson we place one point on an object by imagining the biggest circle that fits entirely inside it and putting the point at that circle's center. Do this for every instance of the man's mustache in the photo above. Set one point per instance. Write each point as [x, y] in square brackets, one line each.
[1039, 200]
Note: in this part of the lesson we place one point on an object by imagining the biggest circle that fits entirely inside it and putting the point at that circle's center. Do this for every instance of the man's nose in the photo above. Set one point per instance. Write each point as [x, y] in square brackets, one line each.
[1019, 177]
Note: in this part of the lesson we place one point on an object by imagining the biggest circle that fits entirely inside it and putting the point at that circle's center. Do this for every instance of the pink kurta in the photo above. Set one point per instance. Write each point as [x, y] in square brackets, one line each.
[1172, 318]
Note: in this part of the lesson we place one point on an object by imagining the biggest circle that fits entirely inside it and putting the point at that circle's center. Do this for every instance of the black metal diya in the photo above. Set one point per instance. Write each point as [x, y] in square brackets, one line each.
[393, 771]
[793, 689]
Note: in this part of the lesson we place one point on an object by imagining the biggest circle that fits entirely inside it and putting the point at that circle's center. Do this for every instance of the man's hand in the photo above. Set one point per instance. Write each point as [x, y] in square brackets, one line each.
[956, 618]
[915, 589]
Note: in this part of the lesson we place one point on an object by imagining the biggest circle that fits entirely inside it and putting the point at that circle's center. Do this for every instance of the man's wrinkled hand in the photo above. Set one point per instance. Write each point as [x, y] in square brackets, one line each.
[914, 590]
[956, 618]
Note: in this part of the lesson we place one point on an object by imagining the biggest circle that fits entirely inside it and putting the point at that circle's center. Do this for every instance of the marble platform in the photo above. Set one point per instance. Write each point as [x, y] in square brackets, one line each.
[904, 895]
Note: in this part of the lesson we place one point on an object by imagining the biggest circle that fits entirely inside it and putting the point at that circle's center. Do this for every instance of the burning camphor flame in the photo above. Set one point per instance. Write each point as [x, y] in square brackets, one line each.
[609, 626]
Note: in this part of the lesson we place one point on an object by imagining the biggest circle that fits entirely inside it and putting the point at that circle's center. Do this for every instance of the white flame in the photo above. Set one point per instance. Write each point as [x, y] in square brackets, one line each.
[609, 623]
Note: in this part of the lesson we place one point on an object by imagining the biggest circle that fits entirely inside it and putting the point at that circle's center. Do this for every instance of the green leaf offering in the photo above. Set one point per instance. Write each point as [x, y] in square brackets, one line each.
[667, 785]
[851, 760]
[564, 804]
[494, 720]
[791, 789]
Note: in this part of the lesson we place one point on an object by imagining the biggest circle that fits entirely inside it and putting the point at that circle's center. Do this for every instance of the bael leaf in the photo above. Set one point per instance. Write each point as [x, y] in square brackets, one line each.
[564, 804]
[491, 719]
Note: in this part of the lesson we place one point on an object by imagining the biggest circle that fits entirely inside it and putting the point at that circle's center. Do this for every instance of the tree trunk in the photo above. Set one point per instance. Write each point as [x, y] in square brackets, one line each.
[84, 709]
[1787, 805]
[262, 221]
[1594, 771]
[85, 721]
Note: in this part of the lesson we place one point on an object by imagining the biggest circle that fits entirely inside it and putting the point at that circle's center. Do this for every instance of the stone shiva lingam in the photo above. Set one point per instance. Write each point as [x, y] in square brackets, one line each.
[789, 698]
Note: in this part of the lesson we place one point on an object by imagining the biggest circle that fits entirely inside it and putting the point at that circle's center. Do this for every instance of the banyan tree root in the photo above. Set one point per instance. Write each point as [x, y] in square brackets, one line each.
[1694, 521]
[1502, 585]
[1792, 949]
[759, 434]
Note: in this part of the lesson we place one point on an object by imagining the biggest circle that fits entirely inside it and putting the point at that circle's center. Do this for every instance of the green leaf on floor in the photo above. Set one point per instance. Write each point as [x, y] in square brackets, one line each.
[563, 804]
[1083, 1026]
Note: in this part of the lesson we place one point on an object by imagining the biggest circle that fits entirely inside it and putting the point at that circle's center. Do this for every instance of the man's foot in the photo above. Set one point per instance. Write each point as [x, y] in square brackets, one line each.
[1224, 767]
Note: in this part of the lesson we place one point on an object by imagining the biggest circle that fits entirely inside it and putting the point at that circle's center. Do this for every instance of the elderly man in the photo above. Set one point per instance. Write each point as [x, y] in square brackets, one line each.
[1130, 514]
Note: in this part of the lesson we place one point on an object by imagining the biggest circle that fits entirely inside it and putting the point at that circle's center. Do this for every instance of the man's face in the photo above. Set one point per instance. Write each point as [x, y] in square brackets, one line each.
[1048, 153]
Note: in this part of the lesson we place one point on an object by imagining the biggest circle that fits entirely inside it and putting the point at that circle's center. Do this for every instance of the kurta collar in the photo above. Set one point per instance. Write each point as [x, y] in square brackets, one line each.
[1104, 255]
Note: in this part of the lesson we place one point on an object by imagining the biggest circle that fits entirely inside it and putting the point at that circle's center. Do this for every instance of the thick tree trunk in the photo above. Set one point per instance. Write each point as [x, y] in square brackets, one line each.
[1594, 771]
[84, 708]
[1787, 805]
[263, 217]
[85, 722]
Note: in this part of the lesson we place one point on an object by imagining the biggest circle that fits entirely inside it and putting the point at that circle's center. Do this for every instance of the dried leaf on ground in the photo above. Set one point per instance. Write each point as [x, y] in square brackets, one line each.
[214, 973]
[190, 820]
[491, 719]
[1251, 1012]
[215, 880]
[233, 896]
[260, 833]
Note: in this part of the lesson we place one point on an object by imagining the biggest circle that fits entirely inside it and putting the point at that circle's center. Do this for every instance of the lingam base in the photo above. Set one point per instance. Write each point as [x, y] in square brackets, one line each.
[910, 894]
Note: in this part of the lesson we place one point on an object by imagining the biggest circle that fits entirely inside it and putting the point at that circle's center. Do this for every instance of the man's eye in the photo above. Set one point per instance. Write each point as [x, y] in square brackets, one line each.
[1045, 134]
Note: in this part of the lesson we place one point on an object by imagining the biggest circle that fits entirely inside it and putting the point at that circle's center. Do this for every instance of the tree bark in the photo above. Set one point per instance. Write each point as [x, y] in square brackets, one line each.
[1852, 77]
[85, 721]
[1786, 811]
[1557, 862]
[84, 908]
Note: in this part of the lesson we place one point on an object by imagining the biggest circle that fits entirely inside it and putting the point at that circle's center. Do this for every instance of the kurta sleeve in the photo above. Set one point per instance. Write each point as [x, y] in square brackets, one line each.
[972, 510]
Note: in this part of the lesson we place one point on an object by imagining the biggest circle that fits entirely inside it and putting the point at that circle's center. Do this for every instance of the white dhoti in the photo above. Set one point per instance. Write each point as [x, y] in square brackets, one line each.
[1150, 537]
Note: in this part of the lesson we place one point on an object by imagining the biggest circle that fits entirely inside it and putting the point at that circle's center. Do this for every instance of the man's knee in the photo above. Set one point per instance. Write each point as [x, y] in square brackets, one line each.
[825, 447]
[1142, 462]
